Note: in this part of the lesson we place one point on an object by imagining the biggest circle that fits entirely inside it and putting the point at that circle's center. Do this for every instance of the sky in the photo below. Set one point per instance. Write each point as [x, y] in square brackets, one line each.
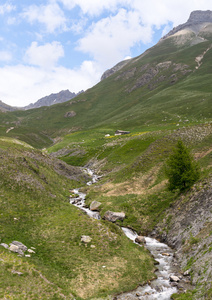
[51, 45]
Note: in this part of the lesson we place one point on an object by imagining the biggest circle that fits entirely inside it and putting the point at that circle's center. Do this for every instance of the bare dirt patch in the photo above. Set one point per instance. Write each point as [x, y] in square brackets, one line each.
[140, 185]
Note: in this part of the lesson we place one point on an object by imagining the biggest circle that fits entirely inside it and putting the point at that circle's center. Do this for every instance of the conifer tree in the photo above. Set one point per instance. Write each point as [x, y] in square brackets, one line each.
[181, 169]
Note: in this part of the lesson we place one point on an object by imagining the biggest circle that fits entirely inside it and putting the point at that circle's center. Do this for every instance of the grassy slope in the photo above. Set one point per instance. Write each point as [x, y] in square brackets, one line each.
[35, 210]
[110, 105]
[134, 181]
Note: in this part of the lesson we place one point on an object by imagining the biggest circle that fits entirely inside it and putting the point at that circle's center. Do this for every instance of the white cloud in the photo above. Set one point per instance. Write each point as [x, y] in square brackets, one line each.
[45, 56]
[157, 13]
[51, 16]
[21, 85]
[6, 8]
[5, 56]
[93, 7]
[110, 39]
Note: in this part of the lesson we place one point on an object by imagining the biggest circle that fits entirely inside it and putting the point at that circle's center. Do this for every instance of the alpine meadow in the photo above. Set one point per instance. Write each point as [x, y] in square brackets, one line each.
[129, 130]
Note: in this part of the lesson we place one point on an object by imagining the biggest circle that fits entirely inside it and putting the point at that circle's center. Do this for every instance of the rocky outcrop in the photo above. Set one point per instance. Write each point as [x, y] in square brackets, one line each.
[19, 248]
[114, 216]
[115, 69]
[187, 228]
[95, 205]
[70, 114]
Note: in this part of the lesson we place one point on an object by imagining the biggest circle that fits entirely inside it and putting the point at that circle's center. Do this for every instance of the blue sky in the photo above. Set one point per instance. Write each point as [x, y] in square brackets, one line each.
[50, 45]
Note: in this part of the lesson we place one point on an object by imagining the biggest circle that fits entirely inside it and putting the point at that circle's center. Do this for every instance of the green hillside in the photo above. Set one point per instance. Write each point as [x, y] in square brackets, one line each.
[35, 210]
[160, 97]
[161, 87]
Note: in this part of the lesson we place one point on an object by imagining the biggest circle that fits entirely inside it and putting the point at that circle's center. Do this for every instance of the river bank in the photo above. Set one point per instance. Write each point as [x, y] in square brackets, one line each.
[167, 282]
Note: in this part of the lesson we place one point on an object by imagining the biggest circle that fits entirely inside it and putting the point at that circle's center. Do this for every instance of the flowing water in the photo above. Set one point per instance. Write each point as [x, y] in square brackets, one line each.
[160, 288]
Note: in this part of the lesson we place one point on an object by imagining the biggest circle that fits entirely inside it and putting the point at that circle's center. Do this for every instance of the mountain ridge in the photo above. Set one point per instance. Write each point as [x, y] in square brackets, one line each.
[198, 21]
[53, 98]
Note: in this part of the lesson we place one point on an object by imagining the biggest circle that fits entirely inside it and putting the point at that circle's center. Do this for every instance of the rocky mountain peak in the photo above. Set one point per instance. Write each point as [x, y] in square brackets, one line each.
[196, 22]
[60, 97]
[199, 16]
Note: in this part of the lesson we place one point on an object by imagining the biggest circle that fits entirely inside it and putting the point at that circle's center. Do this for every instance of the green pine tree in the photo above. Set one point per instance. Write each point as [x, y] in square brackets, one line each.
[182, 171]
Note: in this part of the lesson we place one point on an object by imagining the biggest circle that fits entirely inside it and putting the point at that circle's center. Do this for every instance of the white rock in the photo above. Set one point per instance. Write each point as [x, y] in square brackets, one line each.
[4, 245]
[31, 251]
[95, 205]
[86, 239]
[174, 278]
[13, 248]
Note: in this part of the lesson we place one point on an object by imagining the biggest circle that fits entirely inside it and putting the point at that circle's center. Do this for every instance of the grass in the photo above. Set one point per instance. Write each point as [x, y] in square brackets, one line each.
[35, 210]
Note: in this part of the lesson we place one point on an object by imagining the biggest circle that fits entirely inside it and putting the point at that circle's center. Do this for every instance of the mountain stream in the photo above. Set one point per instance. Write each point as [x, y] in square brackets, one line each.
[160, 288]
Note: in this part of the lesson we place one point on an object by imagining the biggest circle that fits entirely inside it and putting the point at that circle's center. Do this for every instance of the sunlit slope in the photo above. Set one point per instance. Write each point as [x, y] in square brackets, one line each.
[35, 211]
[170, 83]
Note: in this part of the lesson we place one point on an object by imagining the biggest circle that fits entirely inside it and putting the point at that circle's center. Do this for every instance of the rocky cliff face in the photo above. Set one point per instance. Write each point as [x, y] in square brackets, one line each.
[187, 228]
[113, 70]
[60, 97]
[197, 21]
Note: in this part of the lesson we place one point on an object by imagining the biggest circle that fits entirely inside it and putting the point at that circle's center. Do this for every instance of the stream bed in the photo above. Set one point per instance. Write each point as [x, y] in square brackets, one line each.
[161, 288]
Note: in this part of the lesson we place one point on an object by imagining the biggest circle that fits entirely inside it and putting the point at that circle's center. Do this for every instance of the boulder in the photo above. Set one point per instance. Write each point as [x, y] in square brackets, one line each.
[31, 251]
[4, 245]
[114, 216]
[166, 254]
[16, 249]
[187, 273]
[19, 245]
[174, 278]
[95, 205]
[140, 240]
[86, 239]
[70, 114]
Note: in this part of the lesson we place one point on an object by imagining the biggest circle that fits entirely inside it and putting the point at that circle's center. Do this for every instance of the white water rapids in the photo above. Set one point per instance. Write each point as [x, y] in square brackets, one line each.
[160, 288]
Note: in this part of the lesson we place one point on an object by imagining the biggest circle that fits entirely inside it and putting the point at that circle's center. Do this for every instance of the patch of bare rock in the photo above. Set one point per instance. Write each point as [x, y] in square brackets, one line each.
[95, 206]
[19, 248]
[114, 216]
[187, 229]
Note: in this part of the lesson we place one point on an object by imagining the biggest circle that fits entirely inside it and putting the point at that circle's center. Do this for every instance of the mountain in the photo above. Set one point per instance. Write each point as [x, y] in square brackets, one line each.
[198, 23]
[196, 30]
[60, 97]
[4, 107]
